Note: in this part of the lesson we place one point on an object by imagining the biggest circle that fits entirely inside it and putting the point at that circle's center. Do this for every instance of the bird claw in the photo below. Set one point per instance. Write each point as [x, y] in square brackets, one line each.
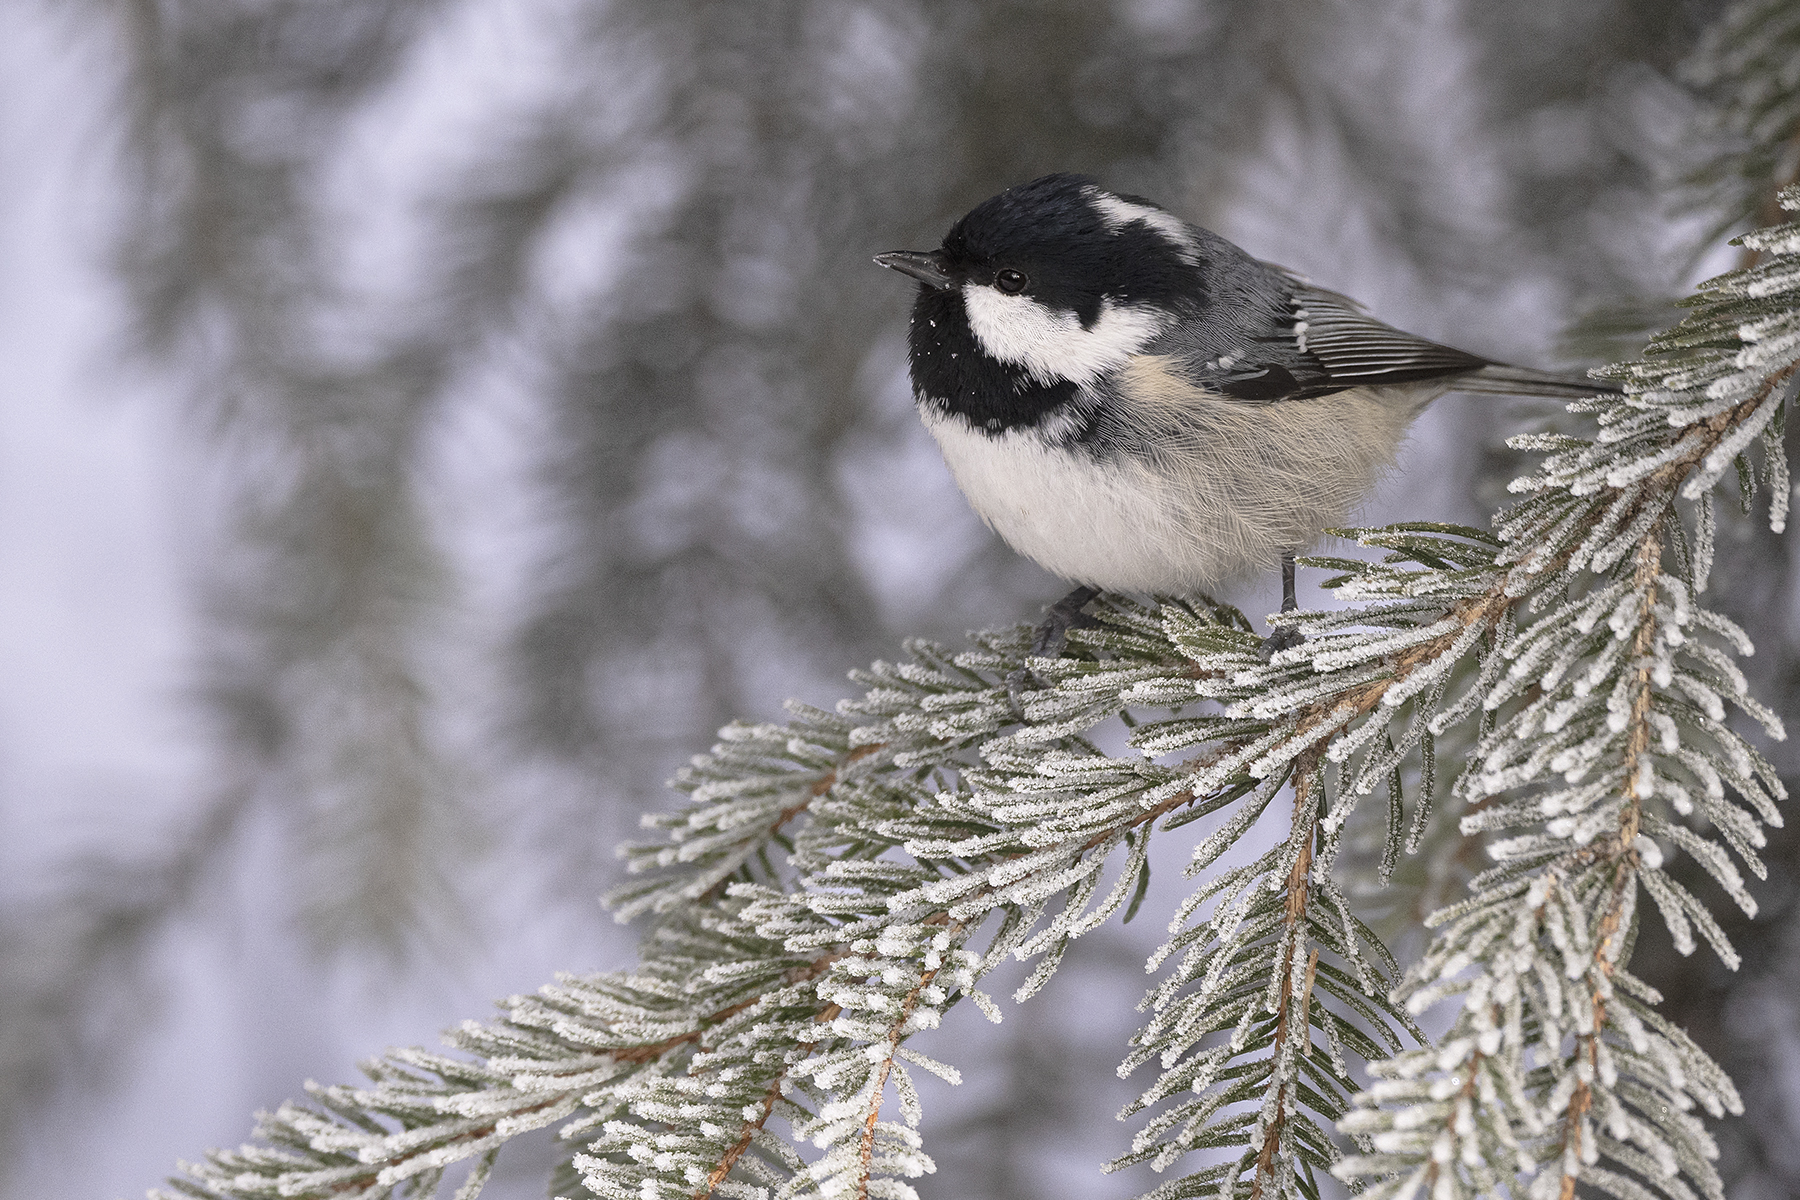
[1048, 639]
[1053, 631]
[1285, 638]
[1015, 688]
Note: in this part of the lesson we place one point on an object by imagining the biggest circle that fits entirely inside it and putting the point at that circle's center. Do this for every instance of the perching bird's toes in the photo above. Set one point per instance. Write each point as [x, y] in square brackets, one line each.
[1285, 638]
[1052, 634]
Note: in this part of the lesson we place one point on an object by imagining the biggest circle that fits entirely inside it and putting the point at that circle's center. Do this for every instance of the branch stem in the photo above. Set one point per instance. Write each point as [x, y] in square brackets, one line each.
[1306, 771]
[1623, 846]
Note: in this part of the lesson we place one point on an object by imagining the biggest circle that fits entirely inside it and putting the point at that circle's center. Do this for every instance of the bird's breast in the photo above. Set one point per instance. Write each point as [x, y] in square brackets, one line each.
[1091, 519]
[1182, 490]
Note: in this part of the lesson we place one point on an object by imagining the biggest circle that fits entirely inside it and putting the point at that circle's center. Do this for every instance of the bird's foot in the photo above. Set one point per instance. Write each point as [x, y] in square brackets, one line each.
[1285, 638]
[1052, 634]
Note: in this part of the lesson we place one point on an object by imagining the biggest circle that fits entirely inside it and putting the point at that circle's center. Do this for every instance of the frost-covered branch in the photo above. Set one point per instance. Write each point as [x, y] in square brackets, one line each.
[836, 884]
[1612, 750]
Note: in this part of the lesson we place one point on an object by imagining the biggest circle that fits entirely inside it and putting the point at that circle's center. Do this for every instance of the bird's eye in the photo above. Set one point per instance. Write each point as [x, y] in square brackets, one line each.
[1010, 281]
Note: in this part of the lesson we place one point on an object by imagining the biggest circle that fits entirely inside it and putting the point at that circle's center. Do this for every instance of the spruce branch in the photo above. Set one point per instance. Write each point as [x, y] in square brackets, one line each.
[1619, 854]
[1013, 874]
[1035, 811]
[835, 884]
[1557, 1071]
[895, 1034]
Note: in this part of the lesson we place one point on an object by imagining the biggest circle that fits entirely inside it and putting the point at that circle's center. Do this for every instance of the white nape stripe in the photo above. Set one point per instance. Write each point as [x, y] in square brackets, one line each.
[1050, 343]
[1119, 213]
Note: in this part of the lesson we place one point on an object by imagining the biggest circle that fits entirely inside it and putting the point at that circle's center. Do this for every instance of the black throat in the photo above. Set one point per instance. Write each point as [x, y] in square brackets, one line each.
[953, 374]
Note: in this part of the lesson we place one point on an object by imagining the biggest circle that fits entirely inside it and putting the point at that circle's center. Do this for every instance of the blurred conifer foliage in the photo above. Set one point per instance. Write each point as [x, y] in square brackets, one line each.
[651, 241]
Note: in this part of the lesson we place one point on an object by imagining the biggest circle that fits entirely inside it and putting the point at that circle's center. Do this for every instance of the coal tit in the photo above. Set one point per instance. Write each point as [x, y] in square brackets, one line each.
[1139, 405]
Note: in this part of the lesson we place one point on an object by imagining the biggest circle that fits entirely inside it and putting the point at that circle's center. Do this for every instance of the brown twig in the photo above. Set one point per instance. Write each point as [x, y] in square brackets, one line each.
[1306, 769]
[1624, 853]
[895, 1032]
[736, 1150]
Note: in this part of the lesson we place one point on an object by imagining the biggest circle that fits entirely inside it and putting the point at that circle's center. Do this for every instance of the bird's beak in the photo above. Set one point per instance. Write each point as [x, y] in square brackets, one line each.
[927, 266]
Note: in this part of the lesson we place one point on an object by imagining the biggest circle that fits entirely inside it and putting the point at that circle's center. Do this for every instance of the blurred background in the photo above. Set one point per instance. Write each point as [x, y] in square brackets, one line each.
[423, 422]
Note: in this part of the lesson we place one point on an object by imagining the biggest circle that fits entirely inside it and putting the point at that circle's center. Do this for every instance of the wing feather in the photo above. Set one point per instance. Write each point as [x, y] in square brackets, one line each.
[1357, 350]
[1267, 335]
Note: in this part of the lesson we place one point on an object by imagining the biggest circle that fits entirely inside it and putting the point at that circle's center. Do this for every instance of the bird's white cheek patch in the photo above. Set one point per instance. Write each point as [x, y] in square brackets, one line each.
[1051, 344]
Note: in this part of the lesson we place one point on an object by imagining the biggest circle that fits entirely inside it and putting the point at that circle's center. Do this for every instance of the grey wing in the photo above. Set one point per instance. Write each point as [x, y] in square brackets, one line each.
[1269, 335]
[1277, 338]
[1355, 350]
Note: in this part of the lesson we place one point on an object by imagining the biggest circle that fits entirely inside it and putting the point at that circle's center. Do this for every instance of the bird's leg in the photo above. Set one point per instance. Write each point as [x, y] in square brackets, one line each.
[1047, 640]
[1287, 637]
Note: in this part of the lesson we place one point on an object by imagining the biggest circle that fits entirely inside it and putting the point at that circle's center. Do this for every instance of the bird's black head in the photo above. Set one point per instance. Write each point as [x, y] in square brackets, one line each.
[1040, 290]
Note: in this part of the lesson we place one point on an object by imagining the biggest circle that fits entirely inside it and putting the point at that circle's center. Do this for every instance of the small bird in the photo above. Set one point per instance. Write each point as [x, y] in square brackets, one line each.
[1137, 404]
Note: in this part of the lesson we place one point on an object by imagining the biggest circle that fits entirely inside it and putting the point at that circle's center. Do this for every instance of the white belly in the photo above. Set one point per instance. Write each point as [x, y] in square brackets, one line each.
[1232, 488]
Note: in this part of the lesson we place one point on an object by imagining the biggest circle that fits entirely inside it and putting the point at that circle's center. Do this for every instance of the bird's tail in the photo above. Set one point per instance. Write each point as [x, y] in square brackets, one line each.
[1498, 379]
